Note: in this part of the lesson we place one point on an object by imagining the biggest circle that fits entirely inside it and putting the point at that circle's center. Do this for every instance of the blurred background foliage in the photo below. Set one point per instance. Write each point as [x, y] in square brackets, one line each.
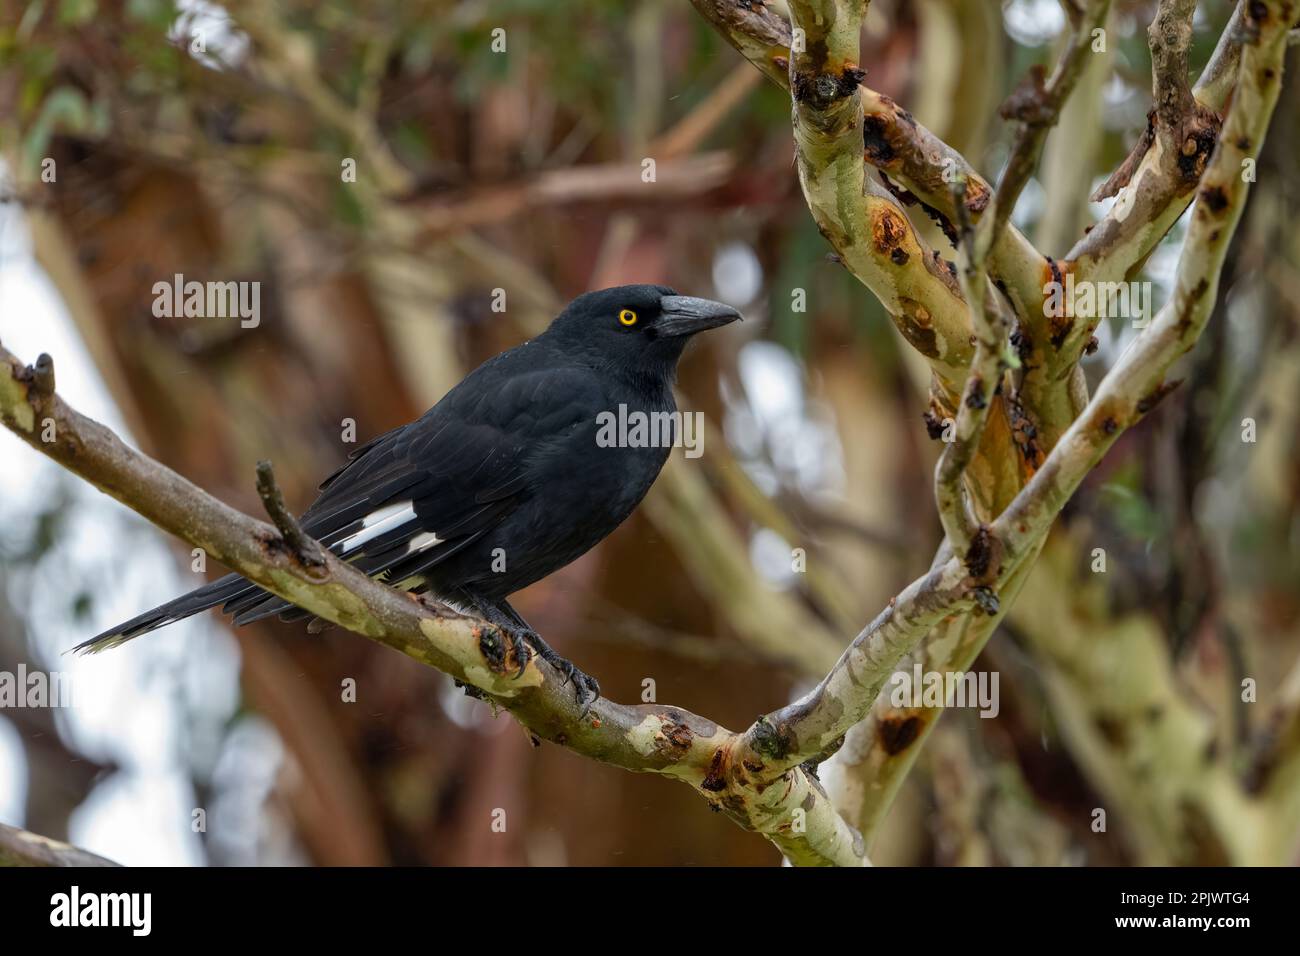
[212, 140]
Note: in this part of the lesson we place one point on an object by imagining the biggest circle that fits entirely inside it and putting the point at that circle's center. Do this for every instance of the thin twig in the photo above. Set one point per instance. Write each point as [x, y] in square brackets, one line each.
[307, 549]
[960, 526]
[43, 375]
[1037, 105]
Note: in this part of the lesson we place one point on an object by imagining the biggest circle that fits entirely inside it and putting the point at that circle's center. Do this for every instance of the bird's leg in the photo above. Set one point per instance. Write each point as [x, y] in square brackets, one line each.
[586, 687]
[518, 637]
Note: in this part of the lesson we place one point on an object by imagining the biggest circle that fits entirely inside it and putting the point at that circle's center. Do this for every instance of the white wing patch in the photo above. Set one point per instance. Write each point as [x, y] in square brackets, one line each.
[421, 541]
[378, 522]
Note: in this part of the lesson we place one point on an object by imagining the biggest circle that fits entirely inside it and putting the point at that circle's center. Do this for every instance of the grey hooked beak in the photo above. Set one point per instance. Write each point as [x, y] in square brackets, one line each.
[686, 315]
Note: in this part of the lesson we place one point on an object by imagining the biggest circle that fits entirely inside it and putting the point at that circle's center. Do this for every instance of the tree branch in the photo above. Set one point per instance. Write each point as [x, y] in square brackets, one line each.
[987, 365]
[686, 177]
[811, 727]
[1170, 39]
[20, 848]
[1122, 710]
[923, 164]
[304, 547]
[1038, 107]
[879, 752]
[1156, 183]
[894, 143]
[754, 777]
[1136, 382]
[1153, 187]
[653, 738]
[862, 222]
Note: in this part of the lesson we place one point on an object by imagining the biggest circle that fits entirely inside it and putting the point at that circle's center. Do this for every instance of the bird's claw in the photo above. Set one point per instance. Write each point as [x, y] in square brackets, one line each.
[585, 687]
[521, 645]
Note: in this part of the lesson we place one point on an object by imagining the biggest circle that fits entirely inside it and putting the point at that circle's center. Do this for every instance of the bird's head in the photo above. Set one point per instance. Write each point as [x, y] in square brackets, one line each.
[641, 327]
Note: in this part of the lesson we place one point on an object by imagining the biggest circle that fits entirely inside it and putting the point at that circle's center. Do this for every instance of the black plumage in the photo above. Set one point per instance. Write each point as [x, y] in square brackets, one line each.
[503, 481]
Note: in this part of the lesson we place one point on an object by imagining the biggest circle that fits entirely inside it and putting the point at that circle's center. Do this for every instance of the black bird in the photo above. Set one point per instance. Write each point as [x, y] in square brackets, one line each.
[503, 481]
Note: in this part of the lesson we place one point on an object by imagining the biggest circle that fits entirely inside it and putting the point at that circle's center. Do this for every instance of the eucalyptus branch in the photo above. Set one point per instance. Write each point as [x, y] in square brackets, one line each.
[1154, 186]
[879, 752]
[926, 167]
[872, 236]
[815, 725]
[21, 848]
[654, 738]
[867, 229]
[960, 527]
[1037, 106]
[1136, 382]
[1170, 39]
[911, 155]
[305, 548]
[1126, 733]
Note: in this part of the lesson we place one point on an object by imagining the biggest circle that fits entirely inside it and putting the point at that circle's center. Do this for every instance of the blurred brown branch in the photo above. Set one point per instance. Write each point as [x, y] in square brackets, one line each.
[677, 180]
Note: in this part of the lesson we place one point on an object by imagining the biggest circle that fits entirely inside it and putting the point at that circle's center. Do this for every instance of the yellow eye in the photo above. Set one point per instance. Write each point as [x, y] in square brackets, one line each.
[627, 317]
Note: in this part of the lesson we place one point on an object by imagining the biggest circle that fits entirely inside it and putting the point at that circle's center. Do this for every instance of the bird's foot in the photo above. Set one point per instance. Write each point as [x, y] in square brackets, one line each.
[585, 687]
[520, 642]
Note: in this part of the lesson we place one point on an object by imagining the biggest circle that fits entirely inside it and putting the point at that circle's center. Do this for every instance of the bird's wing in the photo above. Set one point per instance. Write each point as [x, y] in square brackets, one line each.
[421, 493]
[451, 475]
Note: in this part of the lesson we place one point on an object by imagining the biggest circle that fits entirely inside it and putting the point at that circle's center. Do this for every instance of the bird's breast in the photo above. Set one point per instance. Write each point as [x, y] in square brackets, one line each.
[596, 477]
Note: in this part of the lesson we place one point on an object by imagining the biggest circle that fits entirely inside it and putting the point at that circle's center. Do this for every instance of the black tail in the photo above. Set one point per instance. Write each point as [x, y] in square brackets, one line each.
[218, 592]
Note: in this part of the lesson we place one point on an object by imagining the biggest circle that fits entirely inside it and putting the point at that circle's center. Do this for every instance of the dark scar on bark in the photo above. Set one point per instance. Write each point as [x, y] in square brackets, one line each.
[896, 734]
[980, 554]
[880, 151]
[714, 781]
[772, 741]
[1157, 395]
[933, 425]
